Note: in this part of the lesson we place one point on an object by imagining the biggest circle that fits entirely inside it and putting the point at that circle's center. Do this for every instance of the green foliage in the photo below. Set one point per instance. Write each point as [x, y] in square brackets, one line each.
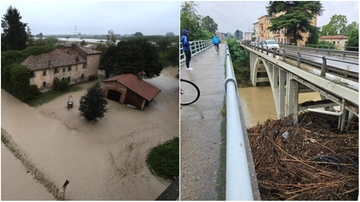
[137, 34]
[207, 23]
[14, 35]
[353, 41]
[350, 27]
[191, 21]
[296, 18]
[61, 85]
[163, 160]
[240, 62]
[207, 34]
[51, 41]
[83, 43]
[92, 104]
[132, 56]
[336, 26]
[314, 36]
[92, 78]
[20, 83]
[326, 45]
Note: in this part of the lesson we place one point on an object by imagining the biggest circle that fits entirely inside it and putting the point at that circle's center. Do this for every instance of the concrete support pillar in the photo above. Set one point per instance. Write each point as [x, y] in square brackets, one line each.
[292, 97]
[282, 79]
[275, 76]
[344, 118]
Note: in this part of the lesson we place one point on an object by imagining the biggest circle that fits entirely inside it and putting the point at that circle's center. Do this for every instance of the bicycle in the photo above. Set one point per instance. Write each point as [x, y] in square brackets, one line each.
[189, 92]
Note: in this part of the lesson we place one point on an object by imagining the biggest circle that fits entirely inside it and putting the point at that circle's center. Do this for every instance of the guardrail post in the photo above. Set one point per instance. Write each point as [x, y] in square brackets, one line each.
[284, 55]
[274, 53]
[262, 49]
[267, 50]
[298, 60]
[323, 67]
[343, 55]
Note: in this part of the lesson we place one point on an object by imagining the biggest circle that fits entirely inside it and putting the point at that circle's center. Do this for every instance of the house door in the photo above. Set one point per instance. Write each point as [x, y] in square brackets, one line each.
[114, 95]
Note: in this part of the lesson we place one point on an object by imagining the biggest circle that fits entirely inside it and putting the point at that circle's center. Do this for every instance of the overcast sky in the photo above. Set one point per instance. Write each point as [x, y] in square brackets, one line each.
[98, 17]
[240, 15]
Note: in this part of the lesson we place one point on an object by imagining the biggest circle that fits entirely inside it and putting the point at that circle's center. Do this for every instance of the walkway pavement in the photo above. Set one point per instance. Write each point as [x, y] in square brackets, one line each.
[200, 126]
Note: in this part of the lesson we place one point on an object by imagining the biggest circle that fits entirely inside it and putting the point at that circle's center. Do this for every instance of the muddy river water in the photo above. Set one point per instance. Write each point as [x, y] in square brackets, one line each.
[258, 104]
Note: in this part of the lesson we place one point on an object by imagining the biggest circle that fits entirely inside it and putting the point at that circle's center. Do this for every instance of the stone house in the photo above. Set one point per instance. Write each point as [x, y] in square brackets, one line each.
[338, 40]
[71, 62]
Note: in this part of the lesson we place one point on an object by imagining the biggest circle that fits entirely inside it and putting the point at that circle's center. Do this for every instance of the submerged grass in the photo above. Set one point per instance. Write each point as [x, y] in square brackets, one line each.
[163, 160]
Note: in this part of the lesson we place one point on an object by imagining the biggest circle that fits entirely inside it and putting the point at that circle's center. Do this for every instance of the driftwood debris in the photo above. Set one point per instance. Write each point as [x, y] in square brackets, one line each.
[313, 161]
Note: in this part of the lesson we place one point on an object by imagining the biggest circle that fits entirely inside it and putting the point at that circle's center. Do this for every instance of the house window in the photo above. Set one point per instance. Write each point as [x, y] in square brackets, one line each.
[33, 74]
[338, 42]
[69, 68]
[334, 42]
[64, 69]
[84, 66]
[44, 72]
[44, 84]
[82, 76]
[56, 70]
[69, 78]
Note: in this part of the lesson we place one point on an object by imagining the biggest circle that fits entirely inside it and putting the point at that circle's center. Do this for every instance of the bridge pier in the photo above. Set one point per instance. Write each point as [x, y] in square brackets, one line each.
[292, 97]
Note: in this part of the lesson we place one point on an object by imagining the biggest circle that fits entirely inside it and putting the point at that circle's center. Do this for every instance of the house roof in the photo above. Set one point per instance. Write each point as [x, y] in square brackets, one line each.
[58, 58]
[89, 51]
[140, 87]
[334, 37]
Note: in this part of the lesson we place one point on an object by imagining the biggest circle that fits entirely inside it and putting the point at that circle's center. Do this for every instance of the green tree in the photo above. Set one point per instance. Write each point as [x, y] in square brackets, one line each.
[14, 36]
[314, 36]
[207, 23]
[350, 27]
[169, 34]
[40, 35]
[296, 18]
[83, 43]
[132, 56]
[30, 39]
[353, 41]
[207, 34]
[138, 34]
[92, 104]
[190, 20]
[336, 26]
[51, 41]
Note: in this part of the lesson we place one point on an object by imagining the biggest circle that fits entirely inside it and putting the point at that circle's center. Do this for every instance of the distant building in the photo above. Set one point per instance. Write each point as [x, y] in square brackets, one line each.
[130, 89]
[256, 32]
[338, 40]
[248, 36]
[72, 62]
[238, 34]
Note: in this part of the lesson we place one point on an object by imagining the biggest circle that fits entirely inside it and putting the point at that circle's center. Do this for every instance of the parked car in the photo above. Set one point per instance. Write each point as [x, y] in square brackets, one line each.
[271, 45]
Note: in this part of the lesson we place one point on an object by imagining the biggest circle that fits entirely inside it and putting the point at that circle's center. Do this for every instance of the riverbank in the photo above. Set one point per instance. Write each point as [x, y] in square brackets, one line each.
[103, 160]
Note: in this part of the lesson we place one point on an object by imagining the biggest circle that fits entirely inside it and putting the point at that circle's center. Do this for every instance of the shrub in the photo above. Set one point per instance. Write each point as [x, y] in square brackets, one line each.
[61, 85]
[92, 78]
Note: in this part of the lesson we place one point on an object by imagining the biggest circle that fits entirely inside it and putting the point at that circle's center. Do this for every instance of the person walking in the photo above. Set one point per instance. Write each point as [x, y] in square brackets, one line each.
[216, 42]
[186, 48]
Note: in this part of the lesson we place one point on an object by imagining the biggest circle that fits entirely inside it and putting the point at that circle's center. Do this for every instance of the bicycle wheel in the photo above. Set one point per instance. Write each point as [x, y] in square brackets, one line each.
[189, 92]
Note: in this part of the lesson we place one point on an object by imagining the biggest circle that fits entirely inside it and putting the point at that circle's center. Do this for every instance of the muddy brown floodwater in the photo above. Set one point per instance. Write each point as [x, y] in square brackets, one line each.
[103, 160]
[258, 103]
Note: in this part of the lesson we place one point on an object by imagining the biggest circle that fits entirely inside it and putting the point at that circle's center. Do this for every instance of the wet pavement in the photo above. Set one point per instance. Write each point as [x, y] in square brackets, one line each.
[200, 126]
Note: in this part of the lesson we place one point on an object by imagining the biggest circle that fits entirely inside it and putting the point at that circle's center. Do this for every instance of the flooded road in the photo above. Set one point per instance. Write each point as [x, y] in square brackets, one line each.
[258, 104]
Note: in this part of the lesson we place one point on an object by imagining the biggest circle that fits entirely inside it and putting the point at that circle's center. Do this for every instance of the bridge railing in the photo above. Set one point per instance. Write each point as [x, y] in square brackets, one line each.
[353, 54]
[196, 48]
[238, 180]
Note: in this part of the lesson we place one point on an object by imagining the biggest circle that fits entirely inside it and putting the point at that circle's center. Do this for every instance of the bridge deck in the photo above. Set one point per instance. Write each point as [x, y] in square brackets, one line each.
[200, 126]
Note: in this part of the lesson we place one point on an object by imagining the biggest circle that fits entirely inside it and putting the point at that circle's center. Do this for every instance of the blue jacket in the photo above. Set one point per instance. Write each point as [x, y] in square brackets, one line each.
[185, 40]
[215, 40]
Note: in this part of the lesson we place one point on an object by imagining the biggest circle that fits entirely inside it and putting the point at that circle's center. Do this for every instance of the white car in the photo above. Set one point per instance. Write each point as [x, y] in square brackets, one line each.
[271, 45]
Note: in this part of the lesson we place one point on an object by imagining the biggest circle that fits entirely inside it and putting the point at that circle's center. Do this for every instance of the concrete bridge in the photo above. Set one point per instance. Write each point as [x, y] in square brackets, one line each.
[201, 122]
[288, 81]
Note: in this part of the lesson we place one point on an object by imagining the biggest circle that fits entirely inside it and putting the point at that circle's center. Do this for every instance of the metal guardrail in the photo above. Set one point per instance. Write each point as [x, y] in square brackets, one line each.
[321, 50]
[238, 182]
[196, 48]
[353, 75]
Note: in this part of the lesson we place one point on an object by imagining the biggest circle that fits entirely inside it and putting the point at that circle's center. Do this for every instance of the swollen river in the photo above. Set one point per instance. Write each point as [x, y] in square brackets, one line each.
[258, 104]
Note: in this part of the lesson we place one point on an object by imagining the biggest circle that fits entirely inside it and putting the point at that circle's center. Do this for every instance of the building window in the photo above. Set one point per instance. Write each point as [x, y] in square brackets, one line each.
[69, 78]
[82, 76]
[84, 66]
[56, 70]
[33, 74]
[64, 69]
[44, 84]
[44, 72]
[69, 68]
[334, 42]
[338, 42]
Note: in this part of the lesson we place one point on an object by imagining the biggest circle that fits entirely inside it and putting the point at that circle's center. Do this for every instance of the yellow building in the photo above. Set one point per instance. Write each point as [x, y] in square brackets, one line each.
[71, 62]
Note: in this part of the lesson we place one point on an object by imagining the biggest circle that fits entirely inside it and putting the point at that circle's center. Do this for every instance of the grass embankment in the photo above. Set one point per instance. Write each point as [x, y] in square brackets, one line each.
[221, 177]
[163, 160]
[53, 94]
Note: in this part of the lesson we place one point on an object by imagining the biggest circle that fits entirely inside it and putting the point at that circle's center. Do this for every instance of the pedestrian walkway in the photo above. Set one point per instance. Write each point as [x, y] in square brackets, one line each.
[200, 126]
